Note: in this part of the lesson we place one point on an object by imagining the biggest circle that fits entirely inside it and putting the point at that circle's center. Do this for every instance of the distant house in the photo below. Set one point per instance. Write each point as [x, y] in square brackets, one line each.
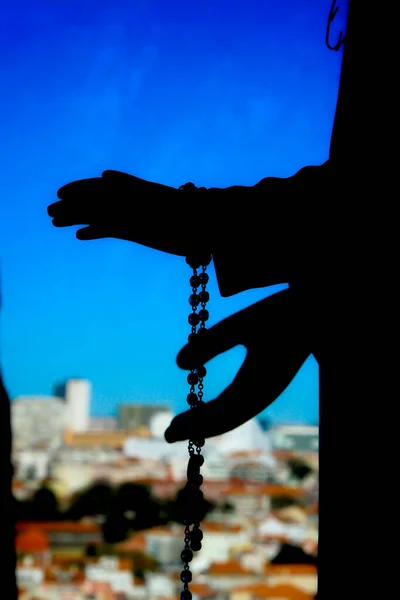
[61, 534]
[295, 439]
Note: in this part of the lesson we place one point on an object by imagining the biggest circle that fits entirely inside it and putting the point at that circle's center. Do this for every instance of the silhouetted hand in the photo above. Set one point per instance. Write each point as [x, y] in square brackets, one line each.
[278, 337]
[118, 205]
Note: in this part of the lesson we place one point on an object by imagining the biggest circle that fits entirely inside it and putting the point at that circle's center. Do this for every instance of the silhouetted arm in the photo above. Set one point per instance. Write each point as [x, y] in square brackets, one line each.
[283, 224]
[349, 140]
[273, 229]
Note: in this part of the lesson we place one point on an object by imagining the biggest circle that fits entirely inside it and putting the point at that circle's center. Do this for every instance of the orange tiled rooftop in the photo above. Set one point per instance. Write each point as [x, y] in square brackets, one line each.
[262, 590]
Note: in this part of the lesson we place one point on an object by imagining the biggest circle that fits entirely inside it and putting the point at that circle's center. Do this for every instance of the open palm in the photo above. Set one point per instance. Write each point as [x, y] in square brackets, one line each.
[121, 206]
[278, 338]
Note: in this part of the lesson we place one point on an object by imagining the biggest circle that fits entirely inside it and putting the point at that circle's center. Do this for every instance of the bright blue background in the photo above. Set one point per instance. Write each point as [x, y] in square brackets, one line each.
[217, 92]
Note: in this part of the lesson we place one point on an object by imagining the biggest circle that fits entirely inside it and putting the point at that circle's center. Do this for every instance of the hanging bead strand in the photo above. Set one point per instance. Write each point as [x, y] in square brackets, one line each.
[193, 496]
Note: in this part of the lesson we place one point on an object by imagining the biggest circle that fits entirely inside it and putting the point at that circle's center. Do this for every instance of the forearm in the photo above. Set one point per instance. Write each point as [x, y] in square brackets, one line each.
[268, 229]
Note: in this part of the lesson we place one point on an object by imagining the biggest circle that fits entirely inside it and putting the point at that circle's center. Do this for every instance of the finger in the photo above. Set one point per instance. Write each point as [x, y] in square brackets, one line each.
[258, 383]
[92, 233]
[74, 211]
[52, 209]
[82, 187]
[235, 330]
[110, 174]
[218, 339]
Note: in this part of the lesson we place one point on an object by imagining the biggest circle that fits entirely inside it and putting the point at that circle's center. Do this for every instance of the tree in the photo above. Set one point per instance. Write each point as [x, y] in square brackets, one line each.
[137, 498]
[278, 502]
[293, 555]
[227, 507]
[143, 562]
[133, 497]
[91, 550]
[299, 468]
[42, 506]
[95, 500]
[115, 528]
[45, 505]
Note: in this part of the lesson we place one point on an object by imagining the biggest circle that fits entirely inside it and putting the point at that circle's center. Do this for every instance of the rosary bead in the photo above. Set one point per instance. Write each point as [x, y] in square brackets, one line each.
[192, 494]
[192, 398]
[203, 278]
[195, 461]
[195, 545]
[201, 371]
[194, 319]
[198, 260]
[192, 506]
[186, 555]
[193, 261]
[195, 281]
[186, 576]
[192, 378]
[195, 338]
[194, 299]
[205, 260]
[196, 534]
[193, 514]
[203, 314]
[188, 187]
[195, 478]
[204, 296]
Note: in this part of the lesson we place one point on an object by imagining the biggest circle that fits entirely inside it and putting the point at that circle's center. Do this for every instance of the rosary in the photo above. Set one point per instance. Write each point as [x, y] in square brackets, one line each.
[193, 502]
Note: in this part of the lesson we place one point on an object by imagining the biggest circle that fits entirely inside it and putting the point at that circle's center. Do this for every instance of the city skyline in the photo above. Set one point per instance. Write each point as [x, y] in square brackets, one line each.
[282, 411]
[169, 94]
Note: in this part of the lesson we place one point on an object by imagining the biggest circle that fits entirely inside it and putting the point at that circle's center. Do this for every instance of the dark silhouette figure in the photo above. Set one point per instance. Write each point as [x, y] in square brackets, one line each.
[8, 556]
[287, 243]
[298, 230]
[7, 505]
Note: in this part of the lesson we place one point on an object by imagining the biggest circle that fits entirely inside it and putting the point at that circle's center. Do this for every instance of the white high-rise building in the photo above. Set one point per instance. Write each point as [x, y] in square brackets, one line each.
[78, 395]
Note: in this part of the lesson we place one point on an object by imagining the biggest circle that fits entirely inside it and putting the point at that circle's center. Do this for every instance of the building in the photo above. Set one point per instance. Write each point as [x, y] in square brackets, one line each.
[37, 420]
[131, 416]
[299, 439]
[31, 464]
[57, 535]
[77, 396]
[102, 424]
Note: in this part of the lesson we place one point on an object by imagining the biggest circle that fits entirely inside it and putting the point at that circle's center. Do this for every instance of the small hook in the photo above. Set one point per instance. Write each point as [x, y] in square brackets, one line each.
[332, 14]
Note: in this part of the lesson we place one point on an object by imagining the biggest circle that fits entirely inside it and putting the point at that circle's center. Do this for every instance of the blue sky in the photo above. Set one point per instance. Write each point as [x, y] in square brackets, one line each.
[216, 92]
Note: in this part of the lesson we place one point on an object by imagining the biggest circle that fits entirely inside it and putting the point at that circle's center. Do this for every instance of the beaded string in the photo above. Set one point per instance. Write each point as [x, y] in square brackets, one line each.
[193, 500]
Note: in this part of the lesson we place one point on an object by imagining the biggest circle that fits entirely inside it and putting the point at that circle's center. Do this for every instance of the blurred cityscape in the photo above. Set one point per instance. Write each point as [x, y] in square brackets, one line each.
[97, 502]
